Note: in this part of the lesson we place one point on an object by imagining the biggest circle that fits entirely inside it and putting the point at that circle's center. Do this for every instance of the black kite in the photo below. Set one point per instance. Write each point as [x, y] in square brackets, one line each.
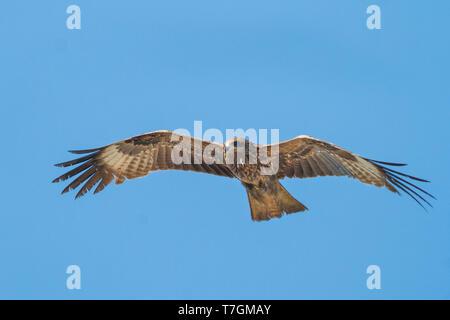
[300, 157]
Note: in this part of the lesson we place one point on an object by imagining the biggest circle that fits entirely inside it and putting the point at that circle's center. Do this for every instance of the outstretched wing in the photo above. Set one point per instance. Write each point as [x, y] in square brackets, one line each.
[137, 156]
[306, 156]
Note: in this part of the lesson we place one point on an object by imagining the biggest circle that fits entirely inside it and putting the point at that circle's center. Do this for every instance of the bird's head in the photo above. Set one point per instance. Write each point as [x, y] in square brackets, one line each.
[240, 151]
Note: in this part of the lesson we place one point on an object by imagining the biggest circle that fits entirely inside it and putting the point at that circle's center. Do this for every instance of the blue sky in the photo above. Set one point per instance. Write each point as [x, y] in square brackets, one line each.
[304, 67]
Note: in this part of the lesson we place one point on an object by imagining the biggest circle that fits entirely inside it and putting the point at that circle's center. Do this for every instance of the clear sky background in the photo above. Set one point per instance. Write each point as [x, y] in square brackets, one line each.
[304, 67]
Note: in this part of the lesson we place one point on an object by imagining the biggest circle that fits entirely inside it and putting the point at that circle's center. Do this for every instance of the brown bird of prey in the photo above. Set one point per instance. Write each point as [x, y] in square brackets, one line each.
[301, 157]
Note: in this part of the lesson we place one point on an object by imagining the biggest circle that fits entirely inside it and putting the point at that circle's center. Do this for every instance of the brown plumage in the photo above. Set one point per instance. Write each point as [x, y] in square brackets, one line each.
[301, 157]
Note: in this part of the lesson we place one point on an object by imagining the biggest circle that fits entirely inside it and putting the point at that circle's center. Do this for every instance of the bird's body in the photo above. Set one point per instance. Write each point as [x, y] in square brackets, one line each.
[266, 196]
[258, 167]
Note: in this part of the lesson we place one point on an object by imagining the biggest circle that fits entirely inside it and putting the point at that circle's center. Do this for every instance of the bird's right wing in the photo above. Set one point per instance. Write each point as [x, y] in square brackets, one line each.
[137, 156]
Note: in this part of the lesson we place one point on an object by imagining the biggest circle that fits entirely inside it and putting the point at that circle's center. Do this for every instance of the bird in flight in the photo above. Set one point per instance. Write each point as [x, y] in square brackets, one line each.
[252, 164]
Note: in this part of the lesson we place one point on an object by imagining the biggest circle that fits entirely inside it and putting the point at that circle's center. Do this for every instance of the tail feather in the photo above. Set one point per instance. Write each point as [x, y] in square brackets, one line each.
[271, 201]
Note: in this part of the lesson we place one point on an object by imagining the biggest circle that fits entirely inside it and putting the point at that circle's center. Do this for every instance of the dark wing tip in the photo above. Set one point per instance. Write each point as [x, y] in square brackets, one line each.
[87, 167]
[395, 177]
[388, 163]
[86, 150]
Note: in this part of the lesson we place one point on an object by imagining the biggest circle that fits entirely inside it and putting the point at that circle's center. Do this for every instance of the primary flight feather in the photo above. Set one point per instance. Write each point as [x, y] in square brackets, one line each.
[300, 157]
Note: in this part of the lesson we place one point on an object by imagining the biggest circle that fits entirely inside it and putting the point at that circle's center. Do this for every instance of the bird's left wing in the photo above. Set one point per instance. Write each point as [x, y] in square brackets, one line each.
[137, 156]
[306, 156]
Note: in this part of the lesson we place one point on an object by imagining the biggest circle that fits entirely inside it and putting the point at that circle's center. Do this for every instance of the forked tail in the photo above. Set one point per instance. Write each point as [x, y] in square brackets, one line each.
[271, 201]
